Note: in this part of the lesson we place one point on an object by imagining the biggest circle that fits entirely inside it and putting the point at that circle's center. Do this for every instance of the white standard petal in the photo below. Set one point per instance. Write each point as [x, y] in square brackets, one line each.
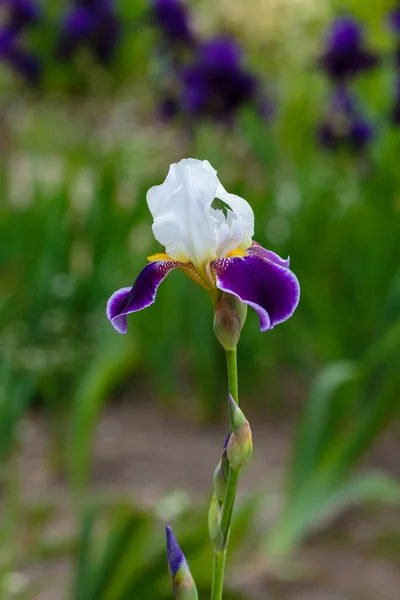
[229, 232]
[185, 221]
[243, 213]
[180, 206]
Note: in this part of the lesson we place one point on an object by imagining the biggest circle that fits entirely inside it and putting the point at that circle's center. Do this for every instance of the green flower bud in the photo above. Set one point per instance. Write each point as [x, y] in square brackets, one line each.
[240, 446]
[229, 318]
[235, 414]
[214, 524]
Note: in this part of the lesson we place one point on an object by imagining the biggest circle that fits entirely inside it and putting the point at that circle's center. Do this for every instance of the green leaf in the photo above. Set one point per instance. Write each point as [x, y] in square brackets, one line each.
[317, 504]
[116, 357]
[84, 556]
[315, 420]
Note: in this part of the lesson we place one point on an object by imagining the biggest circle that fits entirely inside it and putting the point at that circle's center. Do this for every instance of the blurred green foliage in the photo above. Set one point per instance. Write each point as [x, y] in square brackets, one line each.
[74, 226]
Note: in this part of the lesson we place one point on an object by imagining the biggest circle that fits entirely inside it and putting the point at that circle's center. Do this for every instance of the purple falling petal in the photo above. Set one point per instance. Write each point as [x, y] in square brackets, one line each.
[271, 289]
[139, 296]
[257, 249]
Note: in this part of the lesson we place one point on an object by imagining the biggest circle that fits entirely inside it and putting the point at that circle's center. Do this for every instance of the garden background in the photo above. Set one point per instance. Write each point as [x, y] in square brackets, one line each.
[105, 438]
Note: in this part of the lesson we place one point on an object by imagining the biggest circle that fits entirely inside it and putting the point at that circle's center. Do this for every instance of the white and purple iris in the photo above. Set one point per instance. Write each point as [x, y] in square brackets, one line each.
[212, 245]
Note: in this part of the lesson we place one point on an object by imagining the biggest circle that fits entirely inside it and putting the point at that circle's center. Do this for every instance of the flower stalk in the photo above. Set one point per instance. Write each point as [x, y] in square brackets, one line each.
[236, 420]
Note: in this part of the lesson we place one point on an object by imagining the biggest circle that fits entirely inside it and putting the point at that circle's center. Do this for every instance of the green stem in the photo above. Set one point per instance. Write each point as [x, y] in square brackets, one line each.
[218, 575]
[229, 501]
[230, 495]
[232, 375]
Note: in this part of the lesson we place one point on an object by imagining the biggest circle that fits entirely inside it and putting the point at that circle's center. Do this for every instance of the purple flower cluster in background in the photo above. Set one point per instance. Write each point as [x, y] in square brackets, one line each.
[207, 78]
[343, 125]
[19, 15]
[394, 21]
[344, 58]
[90, 24]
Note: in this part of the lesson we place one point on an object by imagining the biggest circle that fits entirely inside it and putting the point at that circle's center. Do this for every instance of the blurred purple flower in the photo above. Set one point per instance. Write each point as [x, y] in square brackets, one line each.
[172, 19]
[394, 19]
[216, 84]
[169, 108]
[92, 24]
[345, 55]
[20, 13]
[343, 125]
[395, 112]
[25, 63]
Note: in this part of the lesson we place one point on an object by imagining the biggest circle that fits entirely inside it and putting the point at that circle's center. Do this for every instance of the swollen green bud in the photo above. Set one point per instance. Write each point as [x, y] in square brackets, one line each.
[214, 524]
[240, 446]
[236, 416]
[229, 318]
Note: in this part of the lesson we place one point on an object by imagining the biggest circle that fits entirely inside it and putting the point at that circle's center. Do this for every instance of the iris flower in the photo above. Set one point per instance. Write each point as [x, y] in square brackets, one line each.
[346, 54]
[212, 245]
[394, 19]
[25, 63]
[173, 20]
[20, 13]
[217, 83]
[395, 113]
[93, 24]
[344, 125]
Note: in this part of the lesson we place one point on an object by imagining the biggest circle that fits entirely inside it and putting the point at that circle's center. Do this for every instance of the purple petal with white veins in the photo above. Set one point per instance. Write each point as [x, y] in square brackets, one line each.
[257, 249]
[270, 288]
[139, 296]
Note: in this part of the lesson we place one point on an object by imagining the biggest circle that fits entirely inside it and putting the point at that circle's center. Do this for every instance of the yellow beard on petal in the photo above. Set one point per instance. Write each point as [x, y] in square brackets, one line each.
[159, 256]
[236, 252]
[191, 272]
[186, 266]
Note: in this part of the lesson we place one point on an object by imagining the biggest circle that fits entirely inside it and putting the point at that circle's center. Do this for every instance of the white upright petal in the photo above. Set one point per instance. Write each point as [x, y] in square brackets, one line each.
[242, 211]
[185, 221]
[181, 211]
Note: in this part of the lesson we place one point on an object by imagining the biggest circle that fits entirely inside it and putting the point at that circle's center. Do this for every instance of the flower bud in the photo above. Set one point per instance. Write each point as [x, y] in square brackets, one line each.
[183, 584]
[229, 318]
[240, 446]
[236, 416]
[219, 482]
[221, 475]
[214, 524]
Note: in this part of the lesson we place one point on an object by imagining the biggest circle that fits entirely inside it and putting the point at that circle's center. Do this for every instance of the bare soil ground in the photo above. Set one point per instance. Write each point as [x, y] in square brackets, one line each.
[143, 453]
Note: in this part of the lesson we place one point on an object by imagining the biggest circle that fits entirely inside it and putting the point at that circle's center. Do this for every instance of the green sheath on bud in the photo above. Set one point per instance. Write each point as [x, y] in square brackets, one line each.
[229, 317]
[221, 478]
[214, 524]
[240, 446]
[236, 416]
[219, 483]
